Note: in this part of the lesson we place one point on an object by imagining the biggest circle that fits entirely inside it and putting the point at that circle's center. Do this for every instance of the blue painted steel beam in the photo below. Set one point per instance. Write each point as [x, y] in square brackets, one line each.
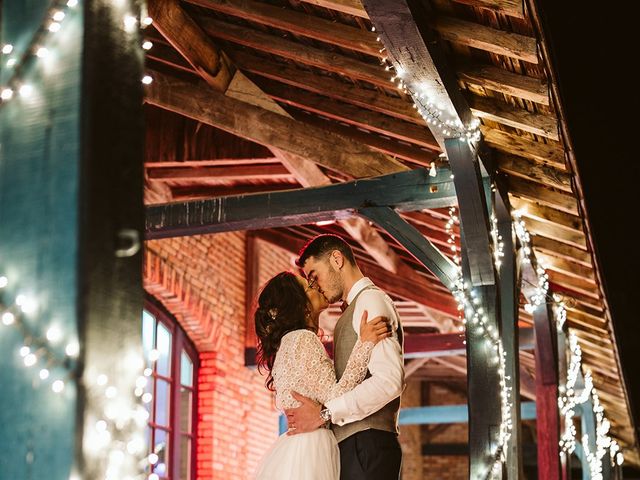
[436, 414]
[451, 414]
[404, 191]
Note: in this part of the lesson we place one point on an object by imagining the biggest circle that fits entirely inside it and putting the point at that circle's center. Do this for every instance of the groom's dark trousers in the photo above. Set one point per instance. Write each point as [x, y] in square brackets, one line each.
[370, 455]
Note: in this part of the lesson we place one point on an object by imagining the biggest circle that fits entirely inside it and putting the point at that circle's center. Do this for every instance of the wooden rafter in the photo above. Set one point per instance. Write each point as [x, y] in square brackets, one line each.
[299, 23]
[267, 128]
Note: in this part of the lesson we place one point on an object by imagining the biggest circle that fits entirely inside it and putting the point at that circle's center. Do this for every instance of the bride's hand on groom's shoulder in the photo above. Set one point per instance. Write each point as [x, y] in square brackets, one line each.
[306, 417]
[377, 329]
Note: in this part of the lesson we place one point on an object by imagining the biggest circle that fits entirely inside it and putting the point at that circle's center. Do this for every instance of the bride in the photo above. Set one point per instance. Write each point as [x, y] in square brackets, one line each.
[290, 351]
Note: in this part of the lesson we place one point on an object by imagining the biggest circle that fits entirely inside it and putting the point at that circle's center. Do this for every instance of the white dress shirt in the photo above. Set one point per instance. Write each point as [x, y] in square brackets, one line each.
[386, 364]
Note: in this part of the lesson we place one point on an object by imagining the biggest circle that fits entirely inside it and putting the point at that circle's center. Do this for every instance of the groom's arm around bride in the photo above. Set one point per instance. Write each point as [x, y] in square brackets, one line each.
[364, 420]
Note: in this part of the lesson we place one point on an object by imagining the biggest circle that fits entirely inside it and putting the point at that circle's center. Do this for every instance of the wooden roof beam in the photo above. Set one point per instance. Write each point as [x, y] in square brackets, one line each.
[550, 153]
[298, 23]
[353, 115]
[220, 173]
[513, 8]
[544, 125]
[489, 39]
[203, 55]
[299, 52]
[267, 128]
[504, 81]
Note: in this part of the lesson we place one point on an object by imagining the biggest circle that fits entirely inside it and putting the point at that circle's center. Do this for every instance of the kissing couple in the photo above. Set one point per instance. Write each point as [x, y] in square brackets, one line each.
[343, 414]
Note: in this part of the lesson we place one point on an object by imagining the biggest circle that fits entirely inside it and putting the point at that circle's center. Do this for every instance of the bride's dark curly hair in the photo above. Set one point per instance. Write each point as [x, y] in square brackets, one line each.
[282, 307]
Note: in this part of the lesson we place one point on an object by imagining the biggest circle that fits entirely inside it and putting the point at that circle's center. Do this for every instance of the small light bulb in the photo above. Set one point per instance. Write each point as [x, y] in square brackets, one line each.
[154, 355]
[72, 3]
[54, 334]
[7, 49]
[147, 79]
[147, 397]
[111, 392]
[30, 360]
[102, 380]
[146, 21]
[72, 349]
[25, 92]
[147, 45]
[129, 22]
[11, 62]
[58, 16]
[42, 52]
[57, 386]
[44, 374]
[153, 458]
[6, 94]
[54, 27]
[8, 318]
[24, 351]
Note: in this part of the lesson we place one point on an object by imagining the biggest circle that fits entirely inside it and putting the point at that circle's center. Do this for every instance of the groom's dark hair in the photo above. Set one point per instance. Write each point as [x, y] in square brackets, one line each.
[322, 245]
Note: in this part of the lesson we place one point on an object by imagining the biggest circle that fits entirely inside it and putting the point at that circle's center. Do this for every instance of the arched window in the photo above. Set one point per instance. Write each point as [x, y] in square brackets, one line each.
[171, 433]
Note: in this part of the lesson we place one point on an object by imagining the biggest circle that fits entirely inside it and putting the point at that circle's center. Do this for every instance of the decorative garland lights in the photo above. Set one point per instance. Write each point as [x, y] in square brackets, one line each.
[569, 398]
[36, 351]
[429, 110]
[36, 50]
[114, 437]
[477, 321]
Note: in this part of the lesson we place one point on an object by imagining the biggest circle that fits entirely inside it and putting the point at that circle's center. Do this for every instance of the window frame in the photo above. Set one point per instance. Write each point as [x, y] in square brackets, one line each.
[179, 341]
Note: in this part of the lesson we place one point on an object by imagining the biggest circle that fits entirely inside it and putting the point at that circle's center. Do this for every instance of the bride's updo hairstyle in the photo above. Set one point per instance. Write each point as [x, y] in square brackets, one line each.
[282, 308]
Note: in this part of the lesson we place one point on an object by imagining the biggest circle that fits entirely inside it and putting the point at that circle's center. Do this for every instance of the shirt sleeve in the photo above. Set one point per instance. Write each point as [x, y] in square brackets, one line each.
[386, 365]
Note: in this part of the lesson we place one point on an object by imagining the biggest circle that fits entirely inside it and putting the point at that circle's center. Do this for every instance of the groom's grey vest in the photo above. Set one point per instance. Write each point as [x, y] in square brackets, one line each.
[344, 339]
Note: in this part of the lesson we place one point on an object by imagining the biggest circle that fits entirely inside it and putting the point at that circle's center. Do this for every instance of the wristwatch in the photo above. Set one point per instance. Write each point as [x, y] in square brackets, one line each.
[325, 414]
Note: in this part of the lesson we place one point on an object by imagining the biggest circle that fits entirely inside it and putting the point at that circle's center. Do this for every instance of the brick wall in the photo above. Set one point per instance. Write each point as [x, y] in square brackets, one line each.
[201, 281]
[445, 467]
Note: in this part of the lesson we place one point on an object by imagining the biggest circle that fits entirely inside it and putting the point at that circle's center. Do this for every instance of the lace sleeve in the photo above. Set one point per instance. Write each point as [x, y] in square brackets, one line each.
[354, 372]
[304, 366]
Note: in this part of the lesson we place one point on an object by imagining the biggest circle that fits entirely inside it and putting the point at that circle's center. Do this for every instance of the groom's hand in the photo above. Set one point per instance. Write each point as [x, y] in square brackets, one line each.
[305, 418]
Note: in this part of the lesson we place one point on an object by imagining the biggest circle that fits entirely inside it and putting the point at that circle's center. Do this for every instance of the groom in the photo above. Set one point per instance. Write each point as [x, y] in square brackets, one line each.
[364, 420]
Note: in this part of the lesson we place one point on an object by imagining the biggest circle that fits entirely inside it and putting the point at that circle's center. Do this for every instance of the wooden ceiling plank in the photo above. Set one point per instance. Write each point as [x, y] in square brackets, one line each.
[561, 250]
[526, 169]
[373, 121]
[506, 82]
[220, 172]
[568, 268]
[535, 227]
[489, 39]
[512, 8]
[268, 128]
[550, 198]
[296, 22]
[545, 125]
[291, 50]
[325, 85]
[410, 153]
[544, 153]
[558, 219]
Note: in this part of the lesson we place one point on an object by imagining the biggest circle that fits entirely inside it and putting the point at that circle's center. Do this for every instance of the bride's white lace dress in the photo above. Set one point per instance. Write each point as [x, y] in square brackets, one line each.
[302, 365]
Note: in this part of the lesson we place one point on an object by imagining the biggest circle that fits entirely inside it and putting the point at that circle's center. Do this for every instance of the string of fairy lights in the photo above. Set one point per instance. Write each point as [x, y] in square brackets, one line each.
[37, 49]
[433, 113]
[569, 397]
[114, 434]
[477, 322]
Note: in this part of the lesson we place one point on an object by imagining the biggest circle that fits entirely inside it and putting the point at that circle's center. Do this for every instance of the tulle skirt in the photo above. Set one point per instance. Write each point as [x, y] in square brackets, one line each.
[307, 456]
